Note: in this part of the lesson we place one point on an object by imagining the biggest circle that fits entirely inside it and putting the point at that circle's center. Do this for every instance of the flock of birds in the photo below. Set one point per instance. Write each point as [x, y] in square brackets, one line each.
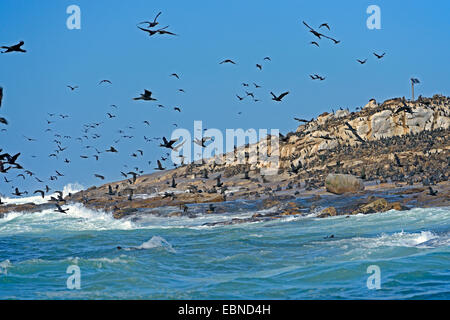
[9, 162]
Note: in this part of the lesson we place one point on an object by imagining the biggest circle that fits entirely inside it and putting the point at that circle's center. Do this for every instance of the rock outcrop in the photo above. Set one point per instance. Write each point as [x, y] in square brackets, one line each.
[343, 183]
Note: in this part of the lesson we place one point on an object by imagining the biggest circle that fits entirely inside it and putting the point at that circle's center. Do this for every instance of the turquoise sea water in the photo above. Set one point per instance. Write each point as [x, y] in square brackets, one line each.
[178, 258]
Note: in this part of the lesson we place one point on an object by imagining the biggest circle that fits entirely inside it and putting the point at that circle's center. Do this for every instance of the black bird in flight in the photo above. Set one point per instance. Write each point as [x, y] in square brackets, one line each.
[42, 193]
[302, 120]
[163, 31]
[432, 192]
[3, 120]
[324, 25]
[134, 174]
[160, 31]
[361, 61]
[160, 167]
[168, 144]
[147, 96]
[405, 108]
[259, 66]
[281, 96]
[379, 56]
[59, 209]
[1, 96]
[111, 149]
[267, 59]
[201, 142]
[227, 61]
[153, 23]
[175, 75]
[105, 81]
[99, 176]
[72, 87]
[14, 48]
[18, 193]
[29, 139]
[354, 132]
[318, 34]
[314, 43]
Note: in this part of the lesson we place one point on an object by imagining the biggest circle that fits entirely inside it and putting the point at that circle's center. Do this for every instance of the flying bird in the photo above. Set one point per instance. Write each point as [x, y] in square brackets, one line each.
[105, 81]
[168, 144]
[355, 133]
[42, 193]
[153, 32]
[147, 96]
[14, 48]
[379, 56]
[59, 209]
[18, 193]
[1, 96]
[227, 61]
[361, 61]
[111, 149]
[160, 167]
[324, 25]
[281, 96]
[302, 120]
[153, 23]
[318, 34]
[72, 87]
[163, 31]
[405, 108]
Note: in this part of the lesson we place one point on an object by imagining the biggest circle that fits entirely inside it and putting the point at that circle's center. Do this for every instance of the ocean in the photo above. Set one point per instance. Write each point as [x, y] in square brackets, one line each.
[300, 257]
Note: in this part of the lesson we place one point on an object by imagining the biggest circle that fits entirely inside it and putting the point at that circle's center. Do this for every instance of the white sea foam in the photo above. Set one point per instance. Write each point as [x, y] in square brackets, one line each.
[422, 239]
[4, 265]
[77, 218]
[154, 242]
[69, 188]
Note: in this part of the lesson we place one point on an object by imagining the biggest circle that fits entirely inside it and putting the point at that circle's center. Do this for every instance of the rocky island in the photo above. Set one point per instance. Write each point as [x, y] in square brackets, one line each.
[393, 155]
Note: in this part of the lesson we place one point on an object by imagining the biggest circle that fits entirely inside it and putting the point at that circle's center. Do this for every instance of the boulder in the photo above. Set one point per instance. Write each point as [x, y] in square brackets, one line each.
[328, 212]
[343, 183]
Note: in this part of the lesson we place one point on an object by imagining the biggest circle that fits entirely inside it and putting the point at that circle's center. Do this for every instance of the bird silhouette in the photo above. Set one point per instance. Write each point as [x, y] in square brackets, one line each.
[14, 48]
[227, 61]
[153, 23]
[280, 97]
[59, 209]
[160, 167]
[324, 25]
[147, 96]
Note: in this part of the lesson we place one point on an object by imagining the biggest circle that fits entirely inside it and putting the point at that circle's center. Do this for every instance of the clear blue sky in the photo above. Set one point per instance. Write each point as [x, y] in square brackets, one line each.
[414, 36]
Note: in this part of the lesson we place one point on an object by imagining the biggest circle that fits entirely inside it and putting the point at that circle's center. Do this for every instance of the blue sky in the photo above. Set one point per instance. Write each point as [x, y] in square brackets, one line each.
[414, 36]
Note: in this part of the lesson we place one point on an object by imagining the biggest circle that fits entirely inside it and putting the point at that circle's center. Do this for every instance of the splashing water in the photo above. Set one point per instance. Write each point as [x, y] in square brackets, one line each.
[179, 258]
